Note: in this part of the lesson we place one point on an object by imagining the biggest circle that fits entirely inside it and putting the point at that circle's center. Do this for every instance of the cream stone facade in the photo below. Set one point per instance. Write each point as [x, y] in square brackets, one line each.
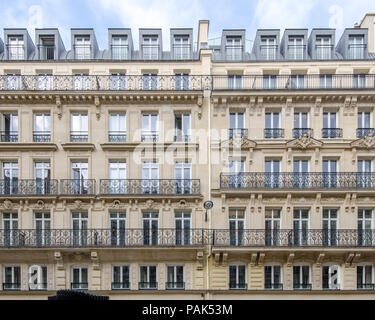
[108, 157]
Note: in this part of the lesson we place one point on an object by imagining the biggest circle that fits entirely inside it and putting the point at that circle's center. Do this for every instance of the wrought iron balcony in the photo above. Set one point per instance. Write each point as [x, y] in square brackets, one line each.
[238, 286]
[147, 285]
[181, 138]
[273, 133]
[302, 286]
[78, 186]
[237, 132]
[28, 187]
[364, 132]
[79, 136]
[299, 132]
[120, 285]
[290, 180]
[11, 286]
[151, 136]
[9, 136]
[175, 285]
[117, 136]
[331, 133]
[273, 286]
[150, 186]
[365, 286]
[41, 136]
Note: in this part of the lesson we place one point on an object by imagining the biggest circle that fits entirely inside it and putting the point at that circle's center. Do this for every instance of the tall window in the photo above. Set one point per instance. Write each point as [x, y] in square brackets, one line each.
[120, 277]
[81, 81]
[175, 277]
[365, 226]
[37, 277]
[236, 226]
[117, 220]
[364, 173]
[330, 125]
[359, 80]
[269, 81]
[268, 48]
[150, 228]
[273, 277]
[79, 174]
[42, 223]
[147, 277]
[181, 81]
[150, 177]
[119, 47]
[272, 173]
[323, 47]
[183, 227]
[150, 81]
[296, 48]
[237, 277]
[11, 278]
[79, 127]
[356, 47]
[47, 48]
[117, 176]
[10, 177]
[301, 227]
[272, 224]
[237, 170]
[10, 229]
[365, 123]
[330, 170]
[118, 81]
[301, 124]
[234, 81]
[44, 81]
[16, 48]
[272, 126]
[182, 175]
[42, 173]
[149, 127]
[365, 276]
[80, 228]
[233, 48]
[236, 124]
[301, 277]
[182, 125]
[181, 47]
[79, 278]
[82, 47]
[117, 127]
[330, 233]
[9, 131]
[331, 277]
[150, 47]
[301, 177]
[42, 127]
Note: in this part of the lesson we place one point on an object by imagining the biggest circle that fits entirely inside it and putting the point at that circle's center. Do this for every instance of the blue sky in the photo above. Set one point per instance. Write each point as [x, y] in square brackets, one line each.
[165, 14]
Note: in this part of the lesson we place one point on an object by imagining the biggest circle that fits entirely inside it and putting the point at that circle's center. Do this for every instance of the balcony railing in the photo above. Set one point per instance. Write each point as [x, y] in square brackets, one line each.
[150, 136]
[175, 285]
[117, 136]
[273, 286]
[79, 286]
[299, 132]
[150, 186]
[331, 133]
[237, 286]
[365, 286]
[302, 286]
[148, 285]
[120, 285]
[9, 136]
[41, 136]
[11, 286]
[290, 180]
[237, 132]
[273, 133]
[364, 132]
[28, 187]
[78, 186]
[79, 136]
[38, 286]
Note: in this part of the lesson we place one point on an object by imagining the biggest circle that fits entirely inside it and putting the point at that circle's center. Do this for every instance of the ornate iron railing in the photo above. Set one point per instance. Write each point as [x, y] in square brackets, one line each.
[181, 138]
[79, 285]
[238, 286]
[120, 285]
[299, 132]
[9, 136]
[290, 180]
[175, 285]
[273, 286]
[147, 285]
[237, 132]
[117, 136]
[365, 286]
[28, 187]
[364, 132]
[149, 186]
[331, 133]
[151, 136]
[41, 136]
[103, 83]
[273, 133]
[79, 136]
[78, 186]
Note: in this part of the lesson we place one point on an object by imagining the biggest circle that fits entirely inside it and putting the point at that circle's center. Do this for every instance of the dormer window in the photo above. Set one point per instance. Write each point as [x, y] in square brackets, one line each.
[295, 48]
[47, 48]
[16, 48]
[181, 47]
[268, 48]
[356, 47]
[82, 47]
[150, 47]
[119, 47]
[323, 47]
[233, 48]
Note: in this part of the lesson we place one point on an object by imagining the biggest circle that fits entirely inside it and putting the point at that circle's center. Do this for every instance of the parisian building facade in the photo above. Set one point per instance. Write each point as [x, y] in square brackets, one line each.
[108, 157]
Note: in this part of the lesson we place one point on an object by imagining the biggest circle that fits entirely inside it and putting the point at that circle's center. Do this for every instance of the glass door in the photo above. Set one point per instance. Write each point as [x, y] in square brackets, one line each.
[365, 226]
[42, 228]
[272, 174]
[272, 224]
[10, 229]
[183, 227]
[236, 226]
[301, 227]
[117, 177]
[301, 173]
[330, 233]
[80, 228]
[330, 173]
[42, 177]
[150, 177]
[79, 177]
[10, 176]
[182, 175]
[118, 224]
[150, 228]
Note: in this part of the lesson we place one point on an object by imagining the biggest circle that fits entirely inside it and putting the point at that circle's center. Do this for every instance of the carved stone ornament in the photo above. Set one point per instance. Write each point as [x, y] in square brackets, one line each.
[40, 204]
[238, 143]
[78, 204]
[367, 142]
[182, 204]
[149, 203]
[8, 204]
[304, 142]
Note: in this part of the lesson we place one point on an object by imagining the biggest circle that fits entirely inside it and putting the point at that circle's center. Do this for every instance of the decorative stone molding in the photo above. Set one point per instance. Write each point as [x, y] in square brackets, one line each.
[348, 260]
[59, 260]
[97, 107]
[319, 260]
[95, 260]
[59, 107]
[304, 142]
[290, 260]
[367, 142]
[253, 259]
[200, 260]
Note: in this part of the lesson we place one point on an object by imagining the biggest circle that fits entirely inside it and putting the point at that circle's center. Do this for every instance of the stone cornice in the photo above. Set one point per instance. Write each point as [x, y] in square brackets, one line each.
[32, 146]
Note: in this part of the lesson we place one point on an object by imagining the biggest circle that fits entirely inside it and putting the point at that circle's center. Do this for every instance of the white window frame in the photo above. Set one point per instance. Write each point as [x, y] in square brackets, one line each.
[80, 268]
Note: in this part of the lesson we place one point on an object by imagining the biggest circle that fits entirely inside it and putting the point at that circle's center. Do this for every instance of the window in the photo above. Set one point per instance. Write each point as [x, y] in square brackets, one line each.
[301, 177]
[330, 125]
[119, 47]
[147, 277]
[325, 81]
[365, 119]
[42, 225]
[10, 178]
[365, 276]
[9, 131]
[117, 127]
[181, 81]
[330, 173]
[236, 226]
[364, 173]
[182, 175]
[234, 81]
[120, 277]
[301, 125]
[323, 47]
[117, 221]
[331, 277]
[175, 277]
[273, 277]
[237, 124]
[47, 48]
[12, 278]
[237, 176]
[330, 232]
[181, 47]
[79, 174]
[80, 226]
[182, 127]
[42, 127]
[272, 227]
[150, 177]
[183, 227]
[117, 177]
[233, 48]
[10, 229]
[81, 81]
[37, 277]
[150, 47]
[42, 174]
[296, 48]
[13, 81]
[356, 47]
[269, 81]
[301, 277]
[298, 81]
[272, 173]
[150, 81]
[16, 48]
[359, 80]
[237, 277]
[365, 226]
[272, 126]
[118, 81]
[150, 228]
[82, 47]
[44, 81]
[149, 127]
[268, 48]
[79, 127]
[79, 278]
[301, 227]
